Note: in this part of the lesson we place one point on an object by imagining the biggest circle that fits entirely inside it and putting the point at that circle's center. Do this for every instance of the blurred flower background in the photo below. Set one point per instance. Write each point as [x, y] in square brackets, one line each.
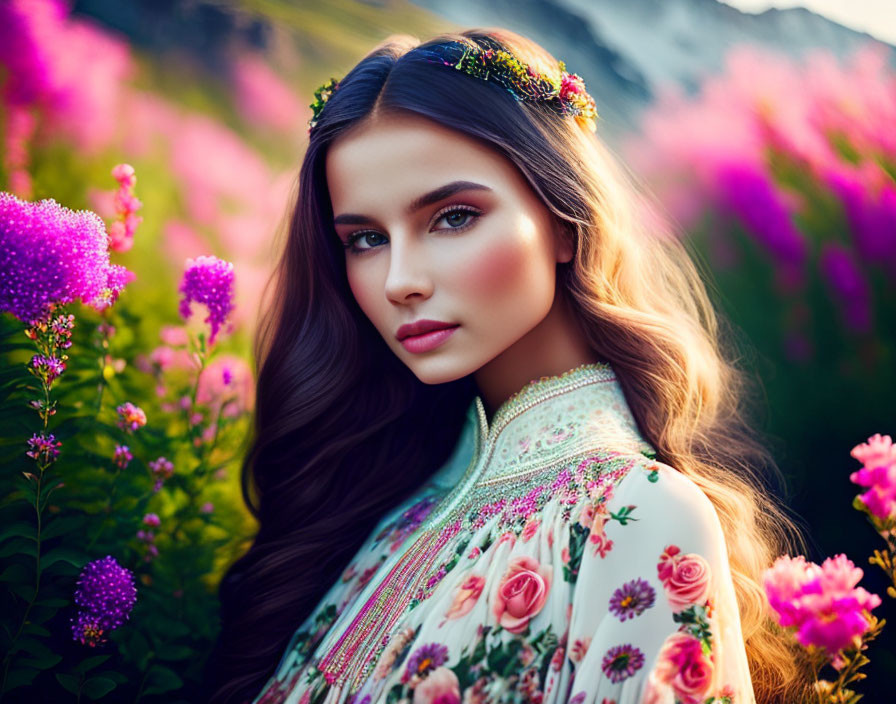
[767, 140]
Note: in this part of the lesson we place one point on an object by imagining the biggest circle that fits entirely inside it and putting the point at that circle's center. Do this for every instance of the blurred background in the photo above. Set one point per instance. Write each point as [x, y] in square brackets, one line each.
[768, 135]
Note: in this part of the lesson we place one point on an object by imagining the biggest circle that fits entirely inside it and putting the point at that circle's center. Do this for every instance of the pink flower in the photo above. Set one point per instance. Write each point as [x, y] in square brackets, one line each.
[557, 659]
[207, 507]
[130, 417]
[522, 593]
[507, 537]
[684, 666]
[877, 451]
[579, 649]
[879, 475]
[227, 386]
[586, 517]
[602, 544]
[122, 456]
[686, 578]
[441, 686]
[821, 602]
[530, 529]
[152, 519]
[465, 596]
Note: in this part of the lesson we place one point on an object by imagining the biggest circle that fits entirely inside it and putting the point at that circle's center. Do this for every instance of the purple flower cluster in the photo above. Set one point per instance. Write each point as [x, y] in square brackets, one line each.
[50, 368]
[122, 456]
[105, 595]
[162, 469]
[50, 254]
[43, 447]
[208, 280]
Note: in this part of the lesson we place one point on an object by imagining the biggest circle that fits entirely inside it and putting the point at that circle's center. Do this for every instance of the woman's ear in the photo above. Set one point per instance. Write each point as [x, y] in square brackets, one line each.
[565, 244]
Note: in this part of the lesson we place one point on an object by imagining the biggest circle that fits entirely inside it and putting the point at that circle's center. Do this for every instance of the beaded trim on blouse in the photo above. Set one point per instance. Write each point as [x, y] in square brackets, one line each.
[537, 389]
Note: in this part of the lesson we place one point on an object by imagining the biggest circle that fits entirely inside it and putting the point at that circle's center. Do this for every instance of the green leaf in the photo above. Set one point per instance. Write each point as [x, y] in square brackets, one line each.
[175, 652]
[43, 663]
[26, 591]
[19, 677]
[53, 603]
[162, 680]
[62, 526]
[90, 663]
[50, 486]
[116, 677]
[21, 529]
[16, 573]
[97, 687]
[69, 682]
[35, 630]
[21, 546]
[75, 558]
[32, 646]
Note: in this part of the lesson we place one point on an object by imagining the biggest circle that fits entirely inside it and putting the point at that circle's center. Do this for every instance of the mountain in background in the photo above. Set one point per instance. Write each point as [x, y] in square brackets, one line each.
[626, 50]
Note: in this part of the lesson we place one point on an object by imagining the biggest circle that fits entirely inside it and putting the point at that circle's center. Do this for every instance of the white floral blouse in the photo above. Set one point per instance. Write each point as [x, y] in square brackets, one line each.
[551, 559]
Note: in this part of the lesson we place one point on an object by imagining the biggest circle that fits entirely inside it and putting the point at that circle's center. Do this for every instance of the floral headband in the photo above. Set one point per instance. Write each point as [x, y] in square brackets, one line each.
[567, 96]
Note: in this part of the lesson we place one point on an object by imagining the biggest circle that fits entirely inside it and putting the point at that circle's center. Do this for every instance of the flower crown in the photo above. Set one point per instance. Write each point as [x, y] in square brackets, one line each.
[567, 96]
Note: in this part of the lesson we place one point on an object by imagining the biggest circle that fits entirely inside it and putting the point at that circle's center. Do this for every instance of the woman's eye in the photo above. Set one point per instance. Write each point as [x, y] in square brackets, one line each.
[458, 218]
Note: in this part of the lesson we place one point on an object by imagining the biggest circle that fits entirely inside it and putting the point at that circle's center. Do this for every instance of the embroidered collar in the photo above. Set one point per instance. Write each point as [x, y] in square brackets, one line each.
[548, 423]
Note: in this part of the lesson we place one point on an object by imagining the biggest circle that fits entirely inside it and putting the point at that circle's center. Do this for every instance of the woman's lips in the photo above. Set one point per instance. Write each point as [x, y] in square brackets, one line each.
[428, 340]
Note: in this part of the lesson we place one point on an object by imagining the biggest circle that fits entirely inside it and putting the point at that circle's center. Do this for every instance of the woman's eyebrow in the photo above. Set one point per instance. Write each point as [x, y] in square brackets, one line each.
[434, 196]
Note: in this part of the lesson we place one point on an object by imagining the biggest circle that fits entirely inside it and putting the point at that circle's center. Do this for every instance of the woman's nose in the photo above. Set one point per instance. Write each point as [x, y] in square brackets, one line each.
[408, 272]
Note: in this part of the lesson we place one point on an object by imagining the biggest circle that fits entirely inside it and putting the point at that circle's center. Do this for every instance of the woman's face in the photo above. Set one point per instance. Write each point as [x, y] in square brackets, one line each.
[480, 255]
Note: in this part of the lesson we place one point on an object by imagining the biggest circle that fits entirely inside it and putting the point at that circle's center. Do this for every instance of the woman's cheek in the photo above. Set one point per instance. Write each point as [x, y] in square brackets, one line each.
[495, 271]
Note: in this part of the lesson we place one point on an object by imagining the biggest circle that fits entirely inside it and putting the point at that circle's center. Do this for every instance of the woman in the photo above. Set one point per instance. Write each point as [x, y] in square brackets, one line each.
[548, 492]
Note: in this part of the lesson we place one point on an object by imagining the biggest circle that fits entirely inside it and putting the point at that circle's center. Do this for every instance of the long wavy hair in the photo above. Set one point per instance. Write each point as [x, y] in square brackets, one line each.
[343, 430]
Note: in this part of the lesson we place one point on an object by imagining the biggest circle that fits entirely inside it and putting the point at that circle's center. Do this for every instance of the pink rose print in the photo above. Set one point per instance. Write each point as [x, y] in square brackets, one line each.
[530, 529]
[686, 578]
[521, 593]
[465, 596]
[440, 687]
[506, 538]
[684, 666]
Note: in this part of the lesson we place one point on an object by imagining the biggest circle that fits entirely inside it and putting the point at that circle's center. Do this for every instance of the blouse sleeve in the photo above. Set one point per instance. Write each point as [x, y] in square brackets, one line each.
[654, 616]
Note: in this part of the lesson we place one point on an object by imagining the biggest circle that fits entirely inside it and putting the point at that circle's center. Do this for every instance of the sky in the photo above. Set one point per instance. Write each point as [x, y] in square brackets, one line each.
[876, 17]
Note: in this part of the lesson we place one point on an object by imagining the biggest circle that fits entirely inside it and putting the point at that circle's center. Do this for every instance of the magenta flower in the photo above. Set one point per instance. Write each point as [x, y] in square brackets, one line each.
[61, 326]
[121, 232]
[207, 507]
[162, 467]
[152, 519]
[130, 417]
[847, 281]
[208, 280]
[50, 254]
[879, 475]
[750, 194]
[821, 603]
[49, 368]
[43, 448]
[105, 594]
[122, 456]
